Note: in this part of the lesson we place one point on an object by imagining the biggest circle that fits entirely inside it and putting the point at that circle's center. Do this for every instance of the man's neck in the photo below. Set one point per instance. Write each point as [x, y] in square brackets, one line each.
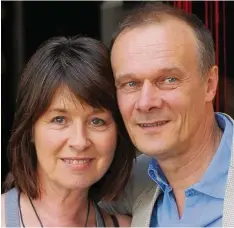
[191, 162]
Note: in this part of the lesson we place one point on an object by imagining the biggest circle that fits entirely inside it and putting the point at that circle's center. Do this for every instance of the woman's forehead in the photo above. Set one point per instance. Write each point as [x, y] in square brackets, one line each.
[64, 98]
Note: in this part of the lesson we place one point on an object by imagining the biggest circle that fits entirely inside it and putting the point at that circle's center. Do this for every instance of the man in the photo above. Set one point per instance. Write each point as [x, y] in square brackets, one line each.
[166, 78]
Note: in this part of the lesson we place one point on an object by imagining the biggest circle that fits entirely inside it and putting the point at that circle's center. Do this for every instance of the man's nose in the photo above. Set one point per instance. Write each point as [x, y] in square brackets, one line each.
[149, 97]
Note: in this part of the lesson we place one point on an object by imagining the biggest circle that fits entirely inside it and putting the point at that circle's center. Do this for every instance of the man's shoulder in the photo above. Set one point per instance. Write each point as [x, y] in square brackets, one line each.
[138, 185]
[140, 178]
[143, 159]
[141, 165]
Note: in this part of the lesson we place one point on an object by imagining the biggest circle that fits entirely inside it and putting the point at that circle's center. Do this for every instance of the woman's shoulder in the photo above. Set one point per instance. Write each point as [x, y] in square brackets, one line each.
[9, 194]
[3, 197]
[9, 205]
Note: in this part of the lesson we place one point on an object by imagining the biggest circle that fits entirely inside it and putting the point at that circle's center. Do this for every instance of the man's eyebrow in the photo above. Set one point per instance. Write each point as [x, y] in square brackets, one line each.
[174, 68]
[122, 77]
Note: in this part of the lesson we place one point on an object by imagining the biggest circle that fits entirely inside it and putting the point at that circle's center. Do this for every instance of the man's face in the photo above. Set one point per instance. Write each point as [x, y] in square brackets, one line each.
[161, 95]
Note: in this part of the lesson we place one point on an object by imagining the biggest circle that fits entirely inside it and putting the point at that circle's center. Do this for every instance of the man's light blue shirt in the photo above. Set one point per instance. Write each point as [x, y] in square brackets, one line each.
[203, 205]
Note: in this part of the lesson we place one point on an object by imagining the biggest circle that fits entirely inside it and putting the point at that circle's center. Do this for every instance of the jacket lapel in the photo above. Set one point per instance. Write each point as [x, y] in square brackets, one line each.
[228, 210]
[142, 213]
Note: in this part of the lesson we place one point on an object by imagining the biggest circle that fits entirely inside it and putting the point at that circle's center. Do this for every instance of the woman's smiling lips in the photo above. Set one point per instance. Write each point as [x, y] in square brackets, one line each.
[77, 163]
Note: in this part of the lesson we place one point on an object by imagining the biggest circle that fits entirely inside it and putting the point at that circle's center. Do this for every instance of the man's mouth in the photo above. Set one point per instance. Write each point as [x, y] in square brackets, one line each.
[153, 124]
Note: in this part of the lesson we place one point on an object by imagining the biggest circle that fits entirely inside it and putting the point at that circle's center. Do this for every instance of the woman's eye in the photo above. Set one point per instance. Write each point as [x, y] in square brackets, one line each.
[59, 120]
[97, 122]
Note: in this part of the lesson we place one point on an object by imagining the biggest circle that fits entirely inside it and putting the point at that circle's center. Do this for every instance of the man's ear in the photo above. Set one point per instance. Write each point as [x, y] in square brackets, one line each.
[212, 79]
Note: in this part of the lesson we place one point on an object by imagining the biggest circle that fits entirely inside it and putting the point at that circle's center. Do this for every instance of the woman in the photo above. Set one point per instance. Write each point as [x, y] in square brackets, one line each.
[69, 147]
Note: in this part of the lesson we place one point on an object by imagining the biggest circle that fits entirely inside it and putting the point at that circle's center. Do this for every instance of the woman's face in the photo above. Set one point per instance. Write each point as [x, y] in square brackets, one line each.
[74, 142]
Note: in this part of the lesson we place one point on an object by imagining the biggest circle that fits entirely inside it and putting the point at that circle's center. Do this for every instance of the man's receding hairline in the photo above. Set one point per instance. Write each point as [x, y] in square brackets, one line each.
[151, 21]
[161, 18]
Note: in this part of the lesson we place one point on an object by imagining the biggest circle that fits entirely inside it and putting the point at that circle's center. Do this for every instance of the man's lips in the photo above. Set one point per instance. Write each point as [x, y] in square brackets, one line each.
[153, 124]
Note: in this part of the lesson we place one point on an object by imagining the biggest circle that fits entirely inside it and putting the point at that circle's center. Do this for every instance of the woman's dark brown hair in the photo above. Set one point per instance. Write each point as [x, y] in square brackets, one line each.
[82, 65]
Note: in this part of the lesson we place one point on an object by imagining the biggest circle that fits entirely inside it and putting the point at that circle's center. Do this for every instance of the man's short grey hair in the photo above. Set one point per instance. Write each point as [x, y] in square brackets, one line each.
[157, 12]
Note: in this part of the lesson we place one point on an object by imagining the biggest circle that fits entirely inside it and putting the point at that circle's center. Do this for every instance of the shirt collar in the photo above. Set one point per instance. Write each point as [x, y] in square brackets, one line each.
[157, 175]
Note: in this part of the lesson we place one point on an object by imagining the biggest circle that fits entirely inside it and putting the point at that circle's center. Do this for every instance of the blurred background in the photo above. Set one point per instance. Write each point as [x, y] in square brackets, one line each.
[25, 25]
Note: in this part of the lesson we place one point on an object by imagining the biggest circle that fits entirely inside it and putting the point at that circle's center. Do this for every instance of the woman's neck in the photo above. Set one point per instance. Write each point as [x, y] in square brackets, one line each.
[57, 206]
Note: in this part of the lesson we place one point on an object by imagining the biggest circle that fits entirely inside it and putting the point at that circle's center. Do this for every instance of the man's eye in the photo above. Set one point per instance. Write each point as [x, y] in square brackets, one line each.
[97, 122]
[59, 120]
[131, 84]
[168, 83]
[170, 80]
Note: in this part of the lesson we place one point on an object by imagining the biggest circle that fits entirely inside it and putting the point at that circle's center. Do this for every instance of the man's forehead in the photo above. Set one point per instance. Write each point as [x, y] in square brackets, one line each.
[153, 48]
[154, 36]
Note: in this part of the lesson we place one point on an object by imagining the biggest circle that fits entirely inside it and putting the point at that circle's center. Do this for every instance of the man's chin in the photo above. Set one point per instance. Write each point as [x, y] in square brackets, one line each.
[151, 150]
